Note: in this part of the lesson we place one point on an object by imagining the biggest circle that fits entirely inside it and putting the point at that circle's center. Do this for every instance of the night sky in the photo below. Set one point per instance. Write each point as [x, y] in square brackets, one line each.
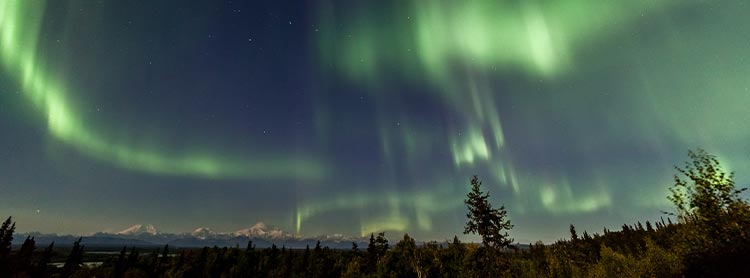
[352, 117]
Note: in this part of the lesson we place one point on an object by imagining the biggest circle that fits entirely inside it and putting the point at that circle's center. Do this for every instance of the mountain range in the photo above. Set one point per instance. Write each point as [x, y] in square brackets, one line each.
[144, 235]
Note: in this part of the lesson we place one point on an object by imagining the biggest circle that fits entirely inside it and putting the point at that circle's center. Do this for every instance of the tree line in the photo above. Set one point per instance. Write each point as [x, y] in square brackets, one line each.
[709, 238]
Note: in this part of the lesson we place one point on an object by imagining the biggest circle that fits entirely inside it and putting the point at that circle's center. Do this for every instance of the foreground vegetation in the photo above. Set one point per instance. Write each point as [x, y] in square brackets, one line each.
[711, 238]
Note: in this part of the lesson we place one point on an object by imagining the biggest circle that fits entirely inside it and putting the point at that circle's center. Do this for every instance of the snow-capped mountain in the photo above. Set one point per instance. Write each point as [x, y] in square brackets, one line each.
[139, 229]
[336, 238]
[260, 230]
[260, 234]
[203, 233]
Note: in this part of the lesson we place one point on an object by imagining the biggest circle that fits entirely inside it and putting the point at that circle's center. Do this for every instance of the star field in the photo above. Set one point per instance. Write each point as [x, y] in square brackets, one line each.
[354, 117]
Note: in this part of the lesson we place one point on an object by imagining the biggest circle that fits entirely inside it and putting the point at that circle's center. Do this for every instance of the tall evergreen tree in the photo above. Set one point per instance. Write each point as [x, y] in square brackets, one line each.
[25, 254]
[132, 258]
[43, 261]
[649, 228]
[164, 256]
[74, 260]
[454, 257]
[488, 222]
[154, 262]
[376, 249]
[586, 236]
[372, 254]
[120, 265]
[6, 237]
[180, 261]
[409, 259]
[573, 233]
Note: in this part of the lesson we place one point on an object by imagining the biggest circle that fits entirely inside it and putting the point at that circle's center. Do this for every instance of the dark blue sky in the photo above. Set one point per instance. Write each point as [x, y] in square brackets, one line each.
[354, 117]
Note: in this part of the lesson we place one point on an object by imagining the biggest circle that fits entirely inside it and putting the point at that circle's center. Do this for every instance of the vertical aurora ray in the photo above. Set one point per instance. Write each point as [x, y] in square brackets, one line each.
[20, 22]
[458, 50]
[458, 47]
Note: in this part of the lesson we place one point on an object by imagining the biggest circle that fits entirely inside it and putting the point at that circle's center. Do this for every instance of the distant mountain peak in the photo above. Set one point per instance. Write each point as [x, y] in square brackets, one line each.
[261, 230]
[203, 230]
[139, 229]
[203, 233]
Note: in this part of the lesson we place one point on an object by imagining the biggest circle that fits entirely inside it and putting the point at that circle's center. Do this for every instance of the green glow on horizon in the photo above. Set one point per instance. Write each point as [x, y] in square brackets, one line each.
[415, 211]
[421, 206]
[560, 199]
[385, 223]
[19, 30]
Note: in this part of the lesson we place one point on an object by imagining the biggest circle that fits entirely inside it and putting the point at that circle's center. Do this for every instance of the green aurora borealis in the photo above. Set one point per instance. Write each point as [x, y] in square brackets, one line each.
[21, 20]
[363, 116]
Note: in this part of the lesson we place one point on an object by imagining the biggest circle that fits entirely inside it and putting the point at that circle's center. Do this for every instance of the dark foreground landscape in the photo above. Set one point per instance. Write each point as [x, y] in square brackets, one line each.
[710, 238]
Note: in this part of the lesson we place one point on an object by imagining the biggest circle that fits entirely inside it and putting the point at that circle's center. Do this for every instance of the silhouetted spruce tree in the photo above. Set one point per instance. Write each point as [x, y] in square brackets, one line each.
[121, 264]
[132, 258]
[405, 254]
[40, 268]
[376, 249]
[573, 233]
[74, 260]
[488, 222]
[6, 238]
[214, 262]
[250, 258]
[25, 255]
[306, 257]
[372, 254]
[231, 260]
[381, 245]
[154, 265]
[429, 259]
[317, 261]
[199, 267]
[289, 262]
[270, 261]
[454, 258]
[164, 256]
[180, 262]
